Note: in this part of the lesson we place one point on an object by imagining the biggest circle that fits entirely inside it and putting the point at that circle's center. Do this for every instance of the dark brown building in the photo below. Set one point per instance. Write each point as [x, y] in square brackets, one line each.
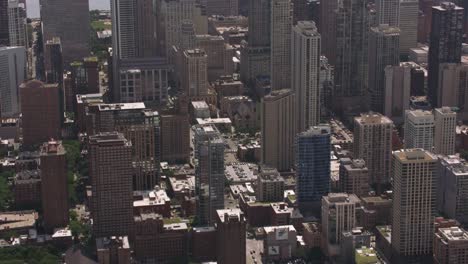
[110, 169]
[27, 188]
[40, 106]
[54, 187]
[204, 244]
[231, 227]
[91, 68]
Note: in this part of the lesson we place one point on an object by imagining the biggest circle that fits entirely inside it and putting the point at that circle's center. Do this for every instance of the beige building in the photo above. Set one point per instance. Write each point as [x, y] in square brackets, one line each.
[413, 211]
[354, 177]
[451, 246]
[278, 129]
[453, 87]
[270, 186]
[113, 250]
[445, 120]
[281, 23]
[409, 10]
[305, 62]
[194, 74]
[373, 144]
[397, 91]
[219, 54]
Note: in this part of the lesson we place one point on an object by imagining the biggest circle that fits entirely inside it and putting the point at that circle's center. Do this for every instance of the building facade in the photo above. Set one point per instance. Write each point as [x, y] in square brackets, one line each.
[280, 33]
[419, 129]
[445, 125]
[12, 74]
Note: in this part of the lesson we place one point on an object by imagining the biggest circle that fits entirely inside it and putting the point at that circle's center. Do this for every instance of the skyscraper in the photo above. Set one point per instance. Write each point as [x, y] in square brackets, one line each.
[313, 168]
[123, 27]
[110, 168]
[17, 23]
[69, 20]
[281, 23]
[230, 237]
[413, 209]
[278, 129]
[409, 12]
[209, 168]
[195, 75]
[388, 12]
[41, 119]
[445, 125]
[445, 43]
[53, 61]
[419, 129]
[222, 7]
[4, 28]
[452, 86]
[328, 22]
[305, 64]
[54, 185]
[354, 177]
[397, 91]
[12, 74]
[384, 44]
[373, 144]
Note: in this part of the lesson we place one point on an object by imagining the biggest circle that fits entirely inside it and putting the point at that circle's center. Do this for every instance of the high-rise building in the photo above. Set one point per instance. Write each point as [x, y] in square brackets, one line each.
[217, 53]
[54, 185]
[451, 245]
[453, 84]
[280, 33]
[445, 125]
[397, 91]
[354, 177]
[388, 12]
[445, 44]
[12, 74]
[338, 216]
[195, 75]
[69, 20]
[4, 28]
[209, 168]
[53, 61]
[327, 76]
[123, 21]
[17, 23]
[373, 144]
[313, 168]
[278, 126]
[41, 119]
[270, 185]
[384, 43]
[230, 238]
[222, 7]
[175, 138]
[305, 62]
[419, 129]
[148, 30]
[328, 22]
[110, 168]
[351, 54]
[141, 127]
[413, 209]
[452, 187]
[409, 12]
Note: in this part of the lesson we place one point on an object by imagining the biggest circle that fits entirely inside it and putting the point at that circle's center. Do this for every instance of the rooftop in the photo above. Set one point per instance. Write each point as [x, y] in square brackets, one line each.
[284, 228]
[411, 155]
[239, 172]
[453, 234]
[108, 242]
[372, 118]
[366, 255]
[17, 220]
[155, 197]
[125, 106]
[231, 214]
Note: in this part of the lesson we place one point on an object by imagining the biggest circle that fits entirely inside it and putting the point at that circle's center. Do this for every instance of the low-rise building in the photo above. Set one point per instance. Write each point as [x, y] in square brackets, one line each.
[203, 243]
[451, 246]
[155, 201]
[199, 109]
[312, 234]
[19, 222]
[240, 173]
[270, 186]
[280, 242]
[113, 250]
[241, 110]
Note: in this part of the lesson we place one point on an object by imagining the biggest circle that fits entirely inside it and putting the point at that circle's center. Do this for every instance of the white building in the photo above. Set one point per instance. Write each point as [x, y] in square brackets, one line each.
[12, 74]
[305, 62]
[419, 129]
[445, 130]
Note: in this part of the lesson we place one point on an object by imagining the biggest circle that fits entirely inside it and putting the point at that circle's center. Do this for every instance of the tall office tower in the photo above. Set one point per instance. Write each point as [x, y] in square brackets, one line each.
[413, 209]
[453, 82]
[313, 168]
[452, 187]
[230, 238]
[187, 36]
[305, 62]
[222, 7]
[255, 56]
[4, 28]
[141, 127]
[147, 28]
[397, 91]
[384, 43]
[217, 54]
[338, 216]
[388, 12]
[110, 169]
[54, 185]
[280, 33]
[278, 129]
[451, 245]
[409, 12]
[445, 44]
[124, 37]
[53, 61]
[91, 67]
[69, 20]
[327, 77]
[328, 22]
[419, 129]
[445, 125]
[270, 185]
[175, 134]
[351, 54]
[17, 23]
[354, 177]
[12, 74]
[301, 11]
[209, 169]
[373, 144]
[41, 119]
[195, 75]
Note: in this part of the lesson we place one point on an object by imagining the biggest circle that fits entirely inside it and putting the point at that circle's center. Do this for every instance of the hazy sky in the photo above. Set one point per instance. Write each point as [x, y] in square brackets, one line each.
[33, 6]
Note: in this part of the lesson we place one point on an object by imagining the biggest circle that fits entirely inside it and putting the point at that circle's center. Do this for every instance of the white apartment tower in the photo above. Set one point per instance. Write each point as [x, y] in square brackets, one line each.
[445, 120]
[419, 129]
[305, 62]
[281, 23]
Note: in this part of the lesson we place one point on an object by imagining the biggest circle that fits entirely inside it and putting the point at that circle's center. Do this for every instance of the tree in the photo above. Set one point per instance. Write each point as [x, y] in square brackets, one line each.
[5, 194]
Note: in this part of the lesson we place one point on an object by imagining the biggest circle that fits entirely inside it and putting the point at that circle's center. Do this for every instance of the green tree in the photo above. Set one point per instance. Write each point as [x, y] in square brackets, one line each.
[5, 194]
